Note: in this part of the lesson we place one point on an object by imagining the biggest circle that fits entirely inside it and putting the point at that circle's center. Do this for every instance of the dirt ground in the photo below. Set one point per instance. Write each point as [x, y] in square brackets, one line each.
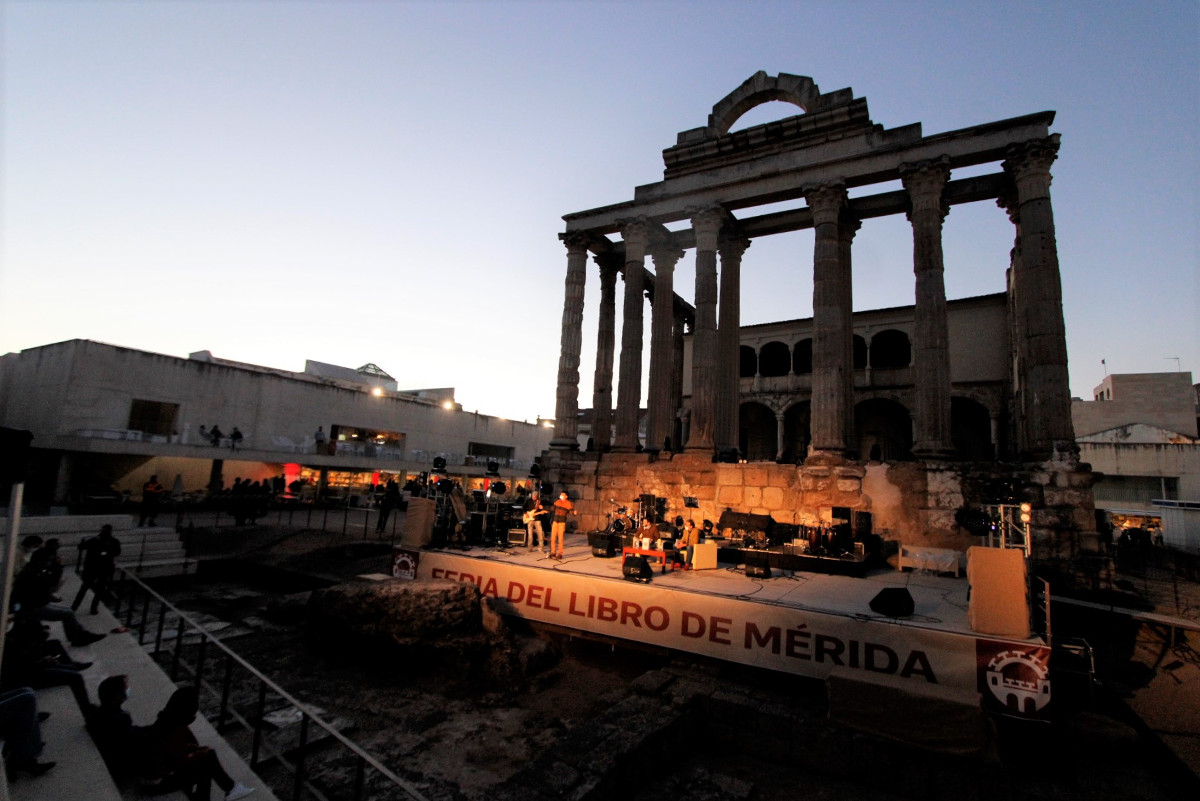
[457, 741]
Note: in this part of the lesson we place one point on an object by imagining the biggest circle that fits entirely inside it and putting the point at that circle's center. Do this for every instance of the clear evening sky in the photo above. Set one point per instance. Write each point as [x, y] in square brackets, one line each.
[384, 181]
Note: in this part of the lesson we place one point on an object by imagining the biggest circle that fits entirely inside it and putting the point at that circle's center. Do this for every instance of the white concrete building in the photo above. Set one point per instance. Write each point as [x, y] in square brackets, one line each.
[106, 417]
[1140, 434]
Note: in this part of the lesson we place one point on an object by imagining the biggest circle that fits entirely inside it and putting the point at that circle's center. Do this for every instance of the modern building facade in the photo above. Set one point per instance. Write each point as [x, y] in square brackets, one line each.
[106, 418]
[1139, 433]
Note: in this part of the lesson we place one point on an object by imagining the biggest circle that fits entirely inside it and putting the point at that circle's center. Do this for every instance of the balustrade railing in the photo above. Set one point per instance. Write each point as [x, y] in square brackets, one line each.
[224, 676]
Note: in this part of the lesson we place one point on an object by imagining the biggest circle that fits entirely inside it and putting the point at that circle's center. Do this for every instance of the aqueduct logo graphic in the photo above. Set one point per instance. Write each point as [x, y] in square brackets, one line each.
[1014, 678]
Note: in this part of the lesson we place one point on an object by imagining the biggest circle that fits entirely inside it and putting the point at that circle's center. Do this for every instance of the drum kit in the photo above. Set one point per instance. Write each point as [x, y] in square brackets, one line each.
[626, 520]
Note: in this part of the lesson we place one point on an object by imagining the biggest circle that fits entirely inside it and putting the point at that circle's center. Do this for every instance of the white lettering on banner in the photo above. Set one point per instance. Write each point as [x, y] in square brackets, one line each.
[791, 640]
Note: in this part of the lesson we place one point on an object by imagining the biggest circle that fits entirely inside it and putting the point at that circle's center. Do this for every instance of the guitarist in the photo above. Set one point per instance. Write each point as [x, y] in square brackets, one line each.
[534, 512]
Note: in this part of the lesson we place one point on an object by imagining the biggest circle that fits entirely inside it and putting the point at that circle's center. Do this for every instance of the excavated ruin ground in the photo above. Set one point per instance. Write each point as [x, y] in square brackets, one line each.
[606, 722]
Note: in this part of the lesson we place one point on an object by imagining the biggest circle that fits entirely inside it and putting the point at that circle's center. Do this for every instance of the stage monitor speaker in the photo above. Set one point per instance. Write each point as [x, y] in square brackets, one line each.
[893, 602]
[636, 568]
[862, 524]
[758, 571]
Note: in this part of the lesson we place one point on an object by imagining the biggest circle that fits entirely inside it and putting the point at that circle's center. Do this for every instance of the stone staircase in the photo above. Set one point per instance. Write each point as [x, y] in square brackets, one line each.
[149, 551]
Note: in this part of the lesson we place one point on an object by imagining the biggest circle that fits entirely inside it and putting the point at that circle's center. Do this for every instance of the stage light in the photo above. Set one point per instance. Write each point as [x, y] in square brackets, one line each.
[1025, 512]
[535, 470]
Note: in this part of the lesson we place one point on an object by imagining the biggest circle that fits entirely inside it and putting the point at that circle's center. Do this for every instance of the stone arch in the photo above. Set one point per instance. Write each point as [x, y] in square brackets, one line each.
[971, 430]
[756, 432]
[775, 359]
[860, 352]
[883, 430]
[802, 357]
[797, 432]
[759, 88]
[890, 348]
[747, 362]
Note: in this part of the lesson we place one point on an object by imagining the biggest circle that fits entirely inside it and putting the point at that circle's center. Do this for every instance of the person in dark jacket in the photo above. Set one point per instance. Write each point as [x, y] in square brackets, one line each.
[99, 562]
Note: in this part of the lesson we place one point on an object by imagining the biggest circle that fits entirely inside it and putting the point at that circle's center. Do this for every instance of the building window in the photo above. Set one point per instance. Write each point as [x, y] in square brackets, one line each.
[774, 360]
[484, 451]
[153, 417]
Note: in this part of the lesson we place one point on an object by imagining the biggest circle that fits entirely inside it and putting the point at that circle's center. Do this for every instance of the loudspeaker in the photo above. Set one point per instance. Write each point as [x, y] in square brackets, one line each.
[603, 544]
[862, 524]
[893, 602]
[758, 571]
[636, 568]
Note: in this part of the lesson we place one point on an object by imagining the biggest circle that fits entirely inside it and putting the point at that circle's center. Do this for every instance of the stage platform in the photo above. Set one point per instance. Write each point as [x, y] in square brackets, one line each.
[808, 624]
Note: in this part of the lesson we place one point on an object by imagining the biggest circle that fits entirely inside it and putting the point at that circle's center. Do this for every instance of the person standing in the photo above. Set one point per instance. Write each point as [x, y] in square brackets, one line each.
[235, 439]
[390, 501]
[152, 493]
[319, 439]
[534, 512]
[558, 529]
[99, 561]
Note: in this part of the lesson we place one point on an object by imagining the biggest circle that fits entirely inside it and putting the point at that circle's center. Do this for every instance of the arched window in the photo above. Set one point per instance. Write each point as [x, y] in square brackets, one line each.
[860, 353]
[971, 430]
[774, 359]
[802, 357]
[756, 432]
[747, 362]
[883, 430]
[890, 349]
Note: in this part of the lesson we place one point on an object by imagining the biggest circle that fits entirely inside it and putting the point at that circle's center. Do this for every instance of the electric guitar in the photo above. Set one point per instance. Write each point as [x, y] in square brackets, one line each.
[533, 514]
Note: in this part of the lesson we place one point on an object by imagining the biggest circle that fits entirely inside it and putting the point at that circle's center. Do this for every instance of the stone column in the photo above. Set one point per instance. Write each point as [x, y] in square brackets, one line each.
[1045, 396]
[636, 234]
[566, 407]
[702, 426]
[605, 349]
[780, 433]
[829, 328]
[931, 349]
[847, 228]
[728, 339]
[677, 380]
[661, 414]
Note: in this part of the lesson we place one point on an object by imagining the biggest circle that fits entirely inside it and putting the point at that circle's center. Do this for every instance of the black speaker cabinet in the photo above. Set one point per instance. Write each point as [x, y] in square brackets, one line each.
[758, 571]
[636, 568]
[603, 544]
[893, 602]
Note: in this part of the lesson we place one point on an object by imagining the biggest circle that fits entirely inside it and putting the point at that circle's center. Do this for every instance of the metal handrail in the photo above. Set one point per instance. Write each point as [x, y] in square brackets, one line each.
[306, 713]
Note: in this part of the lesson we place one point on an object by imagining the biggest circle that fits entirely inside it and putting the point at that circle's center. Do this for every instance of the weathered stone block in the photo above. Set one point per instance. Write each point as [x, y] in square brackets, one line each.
[730, 476]
[731, 496]
[773, 497]
[752, 496]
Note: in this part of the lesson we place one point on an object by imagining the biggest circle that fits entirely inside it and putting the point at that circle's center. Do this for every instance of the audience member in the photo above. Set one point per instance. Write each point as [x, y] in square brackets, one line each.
[32, 659]
[21, 730]
[33, 593]
[179, 761]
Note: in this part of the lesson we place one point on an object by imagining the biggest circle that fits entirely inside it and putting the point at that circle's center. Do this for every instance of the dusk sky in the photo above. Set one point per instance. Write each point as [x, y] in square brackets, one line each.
[385, 181]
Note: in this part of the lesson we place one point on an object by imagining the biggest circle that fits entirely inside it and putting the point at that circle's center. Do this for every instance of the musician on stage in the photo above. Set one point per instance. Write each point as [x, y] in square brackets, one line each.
[649, 532]
[534, 512]
[558, 528]
[688, 540]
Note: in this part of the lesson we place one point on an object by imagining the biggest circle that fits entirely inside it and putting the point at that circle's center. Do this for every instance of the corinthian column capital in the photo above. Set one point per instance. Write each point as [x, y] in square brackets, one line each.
[1029, 165]
[665, 256]
[825, 201]
[732, 247]
[637, 233]
[577, 241]
[924, 182]
[706, 223]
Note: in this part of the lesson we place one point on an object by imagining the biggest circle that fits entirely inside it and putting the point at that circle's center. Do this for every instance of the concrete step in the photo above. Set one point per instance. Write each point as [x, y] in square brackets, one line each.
[80, 767]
